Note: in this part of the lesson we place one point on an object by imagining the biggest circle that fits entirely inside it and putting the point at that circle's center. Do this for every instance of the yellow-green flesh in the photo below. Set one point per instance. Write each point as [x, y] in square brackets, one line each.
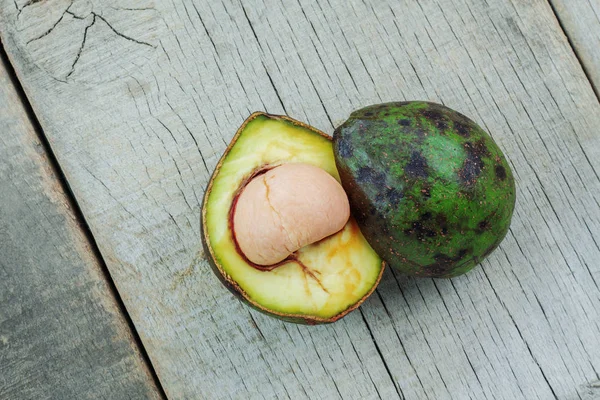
[342, 268]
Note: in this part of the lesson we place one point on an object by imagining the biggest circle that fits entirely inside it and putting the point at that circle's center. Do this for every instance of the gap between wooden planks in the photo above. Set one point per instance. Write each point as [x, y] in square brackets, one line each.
[581, 22]
[62, 335]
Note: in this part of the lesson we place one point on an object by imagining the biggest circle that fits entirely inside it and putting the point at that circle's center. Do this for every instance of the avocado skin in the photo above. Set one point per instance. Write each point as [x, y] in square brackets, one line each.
[430, 190]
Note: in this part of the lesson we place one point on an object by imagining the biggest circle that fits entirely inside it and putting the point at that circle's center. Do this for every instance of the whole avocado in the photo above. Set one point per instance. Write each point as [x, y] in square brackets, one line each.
[430, 190]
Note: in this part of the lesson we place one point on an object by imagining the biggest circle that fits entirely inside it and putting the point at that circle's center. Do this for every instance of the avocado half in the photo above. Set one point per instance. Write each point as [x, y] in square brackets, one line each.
[431, 191]
[325, 280]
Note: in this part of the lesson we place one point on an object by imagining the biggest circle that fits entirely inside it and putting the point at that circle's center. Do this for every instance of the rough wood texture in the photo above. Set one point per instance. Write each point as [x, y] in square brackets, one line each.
[62, 335]
[139, 100]
[581, 22]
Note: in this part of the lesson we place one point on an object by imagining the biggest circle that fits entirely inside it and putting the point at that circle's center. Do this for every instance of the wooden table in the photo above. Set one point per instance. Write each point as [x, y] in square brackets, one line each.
[114, 113]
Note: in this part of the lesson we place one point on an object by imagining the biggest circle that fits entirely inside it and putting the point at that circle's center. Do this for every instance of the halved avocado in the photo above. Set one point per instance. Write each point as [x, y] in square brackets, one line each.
[323, 281]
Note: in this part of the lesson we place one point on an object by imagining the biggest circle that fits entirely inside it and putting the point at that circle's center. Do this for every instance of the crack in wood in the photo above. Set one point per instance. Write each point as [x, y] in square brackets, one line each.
[581, 50]
[95, 18]
[80, 47]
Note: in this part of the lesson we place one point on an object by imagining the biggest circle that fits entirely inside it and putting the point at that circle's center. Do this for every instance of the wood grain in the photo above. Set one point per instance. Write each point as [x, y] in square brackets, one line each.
[581, 21]
[62, 334]
[139, 100]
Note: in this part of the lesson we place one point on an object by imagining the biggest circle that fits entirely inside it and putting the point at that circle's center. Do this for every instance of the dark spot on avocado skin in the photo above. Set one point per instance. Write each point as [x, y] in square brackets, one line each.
[473, 164]
[428, 226]
[462, 129]
[417, 166]
[420, 231]
[393, 196]
[500, 172]
[433, 113]
[444, 264]
[387, 199]
[367, 175]
[441, 125]
[480, 148]
[437, 117]
[483, 225]
[344, 148]
[470, 171]
[350, 129]
[442, 222]
[419, 133]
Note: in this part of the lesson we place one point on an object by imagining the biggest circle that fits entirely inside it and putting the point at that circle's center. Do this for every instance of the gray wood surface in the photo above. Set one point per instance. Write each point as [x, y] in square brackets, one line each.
[139, 99]
[581, 22]
[62, 334]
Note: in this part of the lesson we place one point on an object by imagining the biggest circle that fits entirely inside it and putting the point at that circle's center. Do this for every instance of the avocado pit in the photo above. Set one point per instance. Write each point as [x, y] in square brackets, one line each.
[283, 208]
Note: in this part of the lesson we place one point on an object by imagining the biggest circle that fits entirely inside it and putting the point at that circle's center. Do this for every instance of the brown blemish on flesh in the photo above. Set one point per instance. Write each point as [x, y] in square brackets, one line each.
[307, 271]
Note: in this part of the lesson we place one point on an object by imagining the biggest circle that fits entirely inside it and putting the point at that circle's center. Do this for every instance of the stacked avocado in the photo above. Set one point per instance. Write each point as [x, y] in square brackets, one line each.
[430, 194]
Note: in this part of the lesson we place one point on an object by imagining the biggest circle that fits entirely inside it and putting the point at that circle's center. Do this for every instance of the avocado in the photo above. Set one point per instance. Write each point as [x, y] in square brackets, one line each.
[319, 283]
[431, 191]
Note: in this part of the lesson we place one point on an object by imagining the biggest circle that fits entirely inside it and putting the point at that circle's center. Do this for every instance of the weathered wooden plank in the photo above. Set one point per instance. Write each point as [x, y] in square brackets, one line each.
[62, 334]
[139, 100]
[581, 21]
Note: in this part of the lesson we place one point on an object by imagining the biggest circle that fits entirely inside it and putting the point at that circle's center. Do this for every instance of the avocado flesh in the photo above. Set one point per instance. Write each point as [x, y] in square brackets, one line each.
[431, 191]
[330, 277]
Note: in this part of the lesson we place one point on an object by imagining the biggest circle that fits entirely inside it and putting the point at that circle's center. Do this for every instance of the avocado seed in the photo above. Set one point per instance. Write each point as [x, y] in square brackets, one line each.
[285, 209]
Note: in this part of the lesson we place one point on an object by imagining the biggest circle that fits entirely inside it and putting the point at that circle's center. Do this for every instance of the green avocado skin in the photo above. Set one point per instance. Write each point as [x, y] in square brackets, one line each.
[430, 190]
